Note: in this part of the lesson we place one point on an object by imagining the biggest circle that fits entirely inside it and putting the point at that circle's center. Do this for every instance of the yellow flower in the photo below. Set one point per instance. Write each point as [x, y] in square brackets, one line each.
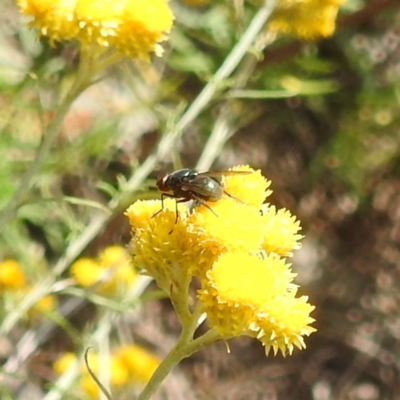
[305, 19]
[117, 259]
[134, 27]
[89, 387]
[247, 295]
[230, 225]
[109, 275]
[251, 189]
[283, 323]
[11, 275]
[160, 247]
[46, 303]
[139, 363]
[141, 31]
[86, 272]
[280, 231]
[141, 213]
[53, 19]
[64, 362]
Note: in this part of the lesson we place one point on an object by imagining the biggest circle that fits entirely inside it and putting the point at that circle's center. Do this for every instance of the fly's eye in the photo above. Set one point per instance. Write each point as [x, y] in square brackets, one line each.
[161, 183]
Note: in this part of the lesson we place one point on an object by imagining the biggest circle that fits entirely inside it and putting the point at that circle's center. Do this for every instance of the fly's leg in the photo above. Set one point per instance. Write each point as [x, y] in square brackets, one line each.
[233, 197]
[162, 204]
[203, 203]
[163, 195]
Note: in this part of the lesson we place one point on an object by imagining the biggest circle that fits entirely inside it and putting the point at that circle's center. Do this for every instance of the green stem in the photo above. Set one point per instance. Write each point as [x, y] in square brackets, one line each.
[179, 295]
[82, 81]
[184, 348]
[229, 65]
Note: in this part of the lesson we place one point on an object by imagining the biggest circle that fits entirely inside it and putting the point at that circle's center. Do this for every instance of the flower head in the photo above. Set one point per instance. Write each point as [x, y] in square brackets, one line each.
[236, 247]
[133, 27]
[251, 189]
[139, 363]
[54, 19]
[109, 274]
[305, 19]
[161, 248]
[280, 231]
[248, 295]
[64, 362]
[12, 276]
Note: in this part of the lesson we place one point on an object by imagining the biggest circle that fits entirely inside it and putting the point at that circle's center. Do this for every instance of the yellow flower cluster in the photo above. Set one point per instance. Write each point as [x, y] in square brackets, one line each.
[14, 280]
[109, 274]
[236, 251]
[129, 365]
[133, 27]
[305, 19]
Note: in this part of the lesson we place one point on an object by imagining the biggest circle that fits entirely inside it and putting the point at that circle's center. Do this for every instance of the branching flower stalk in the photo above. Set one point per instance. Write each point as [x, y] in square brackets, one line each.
[185, 347]
[237, 254]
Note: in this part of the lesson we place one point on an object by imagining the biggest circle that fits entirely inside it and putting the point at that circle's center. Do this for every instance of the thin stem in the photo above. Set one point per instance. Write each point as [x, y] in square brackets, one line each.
[179, 297]
[183, 349]
[219, 135]
[81, 83]
[229, 65]
[223, 127]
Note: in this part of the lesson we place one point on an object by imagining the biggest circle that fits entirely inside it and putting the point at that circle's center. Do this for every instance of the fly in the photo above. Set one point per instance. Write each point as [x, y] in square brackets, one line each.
[187, 184]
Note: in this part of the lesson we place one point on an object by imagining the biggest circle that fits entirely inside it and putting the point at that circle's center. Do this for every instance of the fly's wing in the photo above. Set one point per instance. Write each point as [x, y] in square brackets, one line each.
[204, 187]
[218, 174]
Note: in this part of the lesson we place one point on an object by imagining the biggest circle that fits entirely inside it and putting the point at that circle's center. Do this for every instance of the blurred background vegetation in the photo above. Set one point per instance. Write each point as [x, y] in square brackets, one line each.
[320, 119]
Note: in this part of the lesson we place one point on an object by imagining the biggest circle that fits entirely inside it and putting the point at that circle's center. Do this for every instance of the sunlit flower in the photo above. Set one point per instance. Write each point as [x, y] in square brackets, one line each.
[305, 19]
[280, 231]
[134, 27]
[108, 275]
[247, 295]
[117, 259]
[86, 272]
[64, 362]
[232, 225]
[235, 247]
[11, 275]
[139, 362]
[54, 19]
[161, 248]
[251, 189]
[89, 387]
